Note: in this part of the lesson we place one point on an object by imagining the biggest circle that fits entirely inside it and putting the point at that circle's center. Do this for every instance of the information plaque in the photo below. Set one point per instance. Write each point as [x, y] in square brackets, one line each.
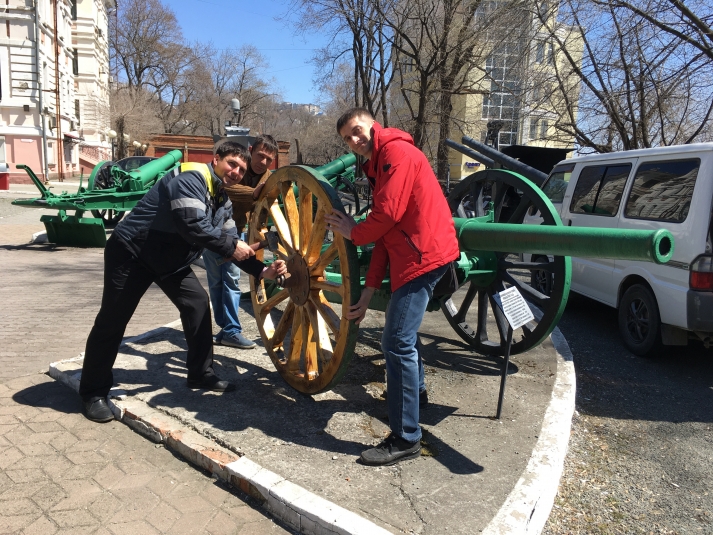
[514, 307]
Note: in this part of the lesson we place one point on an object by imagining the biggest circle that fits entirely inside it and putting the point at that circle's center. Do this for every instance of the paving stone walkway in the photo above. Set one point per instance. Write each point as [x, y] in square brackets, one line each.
[60, 473]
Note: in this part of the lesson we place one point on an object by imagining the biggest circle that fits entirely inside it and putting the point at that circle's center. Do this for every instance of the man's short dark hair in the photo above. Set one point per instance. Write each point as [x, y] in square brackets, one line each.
[232, 148]
[350, 114]
[267, 142]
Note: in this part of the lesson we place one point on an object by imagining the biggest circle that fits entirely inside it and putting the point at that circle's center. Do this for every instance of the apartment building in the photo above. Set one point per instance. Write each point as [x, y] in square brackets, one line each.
[54, 75]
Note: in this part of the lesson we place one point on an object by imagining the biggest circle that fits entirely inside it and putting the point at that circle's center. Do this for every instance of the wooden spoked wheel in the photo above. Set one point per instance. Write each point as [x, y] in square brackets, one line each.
[543, 281]
[309, 341]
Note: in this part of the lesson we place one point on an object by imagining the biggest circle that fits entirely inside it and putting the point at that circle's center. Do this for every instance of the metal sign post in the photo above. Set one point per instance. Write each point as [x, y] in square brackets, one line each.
[518, 313]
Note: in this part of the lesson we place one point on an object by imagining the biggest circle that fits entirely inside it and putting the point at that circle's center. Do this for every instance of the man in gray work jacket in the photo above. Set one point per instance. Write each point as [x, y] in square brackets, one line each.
[185, 212]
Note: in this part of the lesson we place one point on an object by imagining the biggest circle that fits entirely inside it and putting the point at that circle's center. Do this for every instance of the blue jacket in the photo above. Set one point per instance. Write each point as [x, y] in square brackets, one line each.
[177, 218]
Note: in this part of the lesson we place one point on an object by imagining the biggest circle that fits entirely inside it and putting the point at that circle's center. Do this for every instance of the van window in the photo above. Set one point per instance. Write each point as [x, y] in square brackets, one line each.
[556, 185]
[662, 191]
[598, 190]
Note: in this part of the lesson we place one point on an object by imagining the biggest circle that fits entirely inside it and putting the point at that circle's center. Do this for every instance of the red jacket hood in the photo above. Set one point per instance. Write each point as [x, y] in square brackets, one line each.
[380, 136]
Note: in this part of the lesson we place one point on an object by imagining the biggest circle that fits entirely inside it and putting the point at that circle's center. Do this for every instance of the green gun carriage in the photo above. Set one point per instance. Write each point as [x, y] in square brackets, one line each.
[310, 341]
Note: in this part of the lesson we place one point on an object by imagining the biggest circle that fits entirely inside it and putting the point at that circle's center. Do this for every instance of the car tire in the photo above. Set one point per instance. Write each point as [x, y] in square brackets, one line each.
[640, 321]
[541, 280]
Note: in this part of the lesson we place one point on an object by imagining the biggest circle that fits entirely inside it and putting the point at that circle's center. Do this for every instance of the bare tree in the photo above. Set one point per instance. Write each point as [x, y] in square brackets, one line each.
[359, 33]
[641, 87]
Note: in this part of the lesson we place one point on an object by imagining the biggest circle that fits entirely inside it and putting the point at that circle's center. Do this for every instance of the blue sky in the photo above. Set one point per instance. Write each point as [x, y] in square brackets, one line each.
[231, 24]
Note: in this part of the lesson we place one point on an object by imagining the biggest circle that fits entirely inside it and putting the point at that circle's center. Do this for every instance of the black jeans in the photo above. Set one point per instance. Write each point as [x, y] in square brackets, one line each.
[125, 282]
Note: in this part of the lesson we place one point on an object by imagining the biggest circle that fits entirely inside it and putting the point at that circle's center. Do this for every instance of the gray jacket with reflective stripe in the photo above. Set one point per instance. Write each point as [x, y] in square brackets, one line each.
[176, 219]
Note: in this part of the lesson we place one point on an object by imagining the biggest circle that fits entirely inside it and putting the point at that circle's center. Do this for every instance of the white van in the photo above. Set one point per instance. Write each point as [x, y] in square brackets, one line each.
[670, 188]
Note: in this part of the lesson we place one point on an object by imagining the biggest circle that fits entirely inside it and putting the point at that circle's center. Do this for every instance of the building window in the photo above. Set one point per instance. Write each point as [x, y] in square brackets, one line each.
[76, 110]
[543, 128]
[75, 62]
[73, 4]
[2, 149]
[540, 52]
[533, 129]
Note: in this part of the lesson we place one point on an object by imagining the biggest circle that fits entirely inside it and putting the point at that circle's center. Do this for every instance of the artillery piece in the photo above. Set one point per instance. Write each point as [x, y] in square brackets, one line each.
[311, 342]
[110, 193]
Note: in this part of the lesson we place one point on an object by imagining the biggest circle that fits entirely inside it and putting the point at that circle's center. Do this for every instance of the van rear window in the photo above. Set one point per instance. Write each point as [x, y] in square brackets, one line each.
[662, 191]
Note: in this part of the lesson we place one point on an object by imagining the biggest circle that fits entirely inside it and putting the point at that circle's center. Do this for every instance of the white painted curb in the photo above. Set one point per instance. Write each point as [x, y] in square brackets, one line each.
[528, 506]
[300, 509]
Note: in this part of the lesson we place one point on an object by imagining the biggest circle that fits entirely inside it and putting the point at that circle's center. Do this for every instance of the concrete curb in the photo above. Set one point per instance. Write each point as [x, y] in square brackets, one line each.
[524, 512]
[296, 506]
[528, 506]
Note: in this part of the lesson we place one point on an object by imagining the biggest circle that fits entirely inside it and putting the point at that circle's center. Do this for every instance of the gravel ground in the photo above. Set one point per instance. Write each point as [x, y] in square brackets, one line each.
[641, 447]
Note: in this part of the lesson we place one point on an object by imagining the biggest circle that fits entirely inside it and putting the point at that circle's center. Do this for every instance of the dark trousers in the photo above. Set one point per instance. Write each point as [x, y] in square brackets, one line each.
[125, 282]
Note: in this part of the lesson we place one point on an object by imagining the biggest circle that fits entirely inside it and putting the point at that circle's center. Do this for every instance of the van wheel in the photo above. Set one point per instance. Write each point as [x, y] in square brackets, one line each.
[639, 321]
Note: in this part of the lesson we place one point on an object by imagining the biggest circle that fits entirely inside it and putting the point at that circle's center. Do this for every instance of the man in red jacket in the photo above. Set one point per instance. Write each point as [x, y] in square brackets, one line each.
[414, 235]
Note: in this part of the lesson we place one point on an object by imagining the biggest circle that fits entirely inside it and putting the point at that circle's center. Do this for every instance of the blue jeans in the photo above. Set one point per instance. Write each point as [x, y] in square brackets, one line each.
[399, 342]
[224, 293]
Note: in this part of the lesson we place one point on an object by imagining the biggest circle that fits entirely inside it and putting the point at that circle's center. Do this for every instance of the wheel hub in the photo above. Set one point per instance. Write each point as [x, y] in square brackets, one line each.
[297, 284]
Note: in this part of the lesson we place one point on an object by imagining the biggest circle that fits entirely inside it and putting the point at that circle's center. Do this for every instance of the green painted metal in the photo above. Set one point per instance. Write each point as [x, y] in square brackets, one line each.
[129, 190]
[651, 246]
[338, 166]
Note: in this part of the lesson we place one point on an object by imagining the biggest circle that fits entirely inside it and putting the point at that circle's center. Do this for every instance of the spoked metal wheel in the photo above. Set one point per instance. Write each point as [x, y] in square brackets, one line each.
[101, 178]
[472, 309]
[309, 342]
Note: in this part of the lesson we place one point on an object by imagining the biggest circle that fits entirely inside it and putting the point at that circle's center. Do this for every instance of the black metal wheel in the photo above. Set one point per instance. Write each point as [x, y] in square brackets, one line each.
[349, 195]
[468, 311]
[639, 321]
[102, 178]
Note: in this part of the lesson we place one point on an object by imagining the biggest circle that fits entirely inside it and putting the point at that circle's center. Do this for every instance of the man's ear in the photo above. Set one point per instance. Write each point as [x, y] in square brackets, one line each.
[250, 149]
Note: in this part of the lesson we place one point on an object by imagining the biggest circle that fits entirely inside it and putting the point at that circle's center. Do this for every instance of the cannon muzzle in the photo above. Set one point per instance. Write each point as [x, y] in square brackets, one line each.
[148, 173]
[652, 246]
[338, 166]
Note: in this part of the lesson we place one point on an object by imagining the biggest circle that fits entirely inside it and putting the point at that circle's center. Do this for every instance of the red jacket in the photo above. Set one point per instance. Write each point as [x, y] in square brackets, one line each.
[410, 222]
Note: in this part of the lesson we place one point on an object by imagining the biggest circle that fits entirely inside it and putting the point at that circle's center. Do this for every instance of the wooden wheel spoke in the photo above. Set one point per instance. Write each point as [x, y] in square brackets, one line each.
[326, 311]
[272, 302]
[289, 202]
[278, 336]
[314, 247]
[305, 217]
[324, 259]
[283, 228]
[294, 355]
[327, 286]
[320, 336]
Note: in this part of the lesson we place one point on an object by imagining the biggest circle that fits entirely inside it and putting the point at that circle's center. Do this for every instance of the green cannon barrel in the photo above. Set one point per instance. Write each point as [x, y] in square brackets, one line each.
[338, 166]
[652, 246]
[148, 172]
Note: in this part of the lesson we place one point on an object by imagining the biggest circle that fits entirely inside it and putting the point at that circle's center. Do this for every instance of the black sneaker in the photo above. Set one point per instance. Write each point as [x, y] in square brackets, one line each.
[210, 382]
[97, 409]
[422, 398]
[391, 451]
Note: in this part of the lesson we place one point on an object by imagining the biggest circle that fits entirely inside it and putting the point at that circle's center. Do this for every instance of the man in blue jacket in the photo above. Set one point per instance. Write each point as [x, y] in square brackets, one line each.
[168, 229]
